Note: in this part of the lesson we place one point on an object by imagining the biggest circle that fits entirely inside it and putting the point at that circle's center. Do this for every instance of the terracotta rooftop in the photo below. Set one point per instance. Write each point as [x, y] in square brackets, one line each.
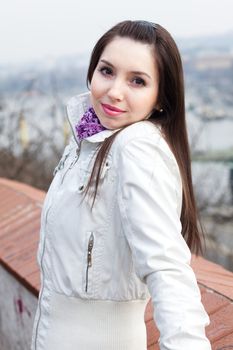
[20, 208]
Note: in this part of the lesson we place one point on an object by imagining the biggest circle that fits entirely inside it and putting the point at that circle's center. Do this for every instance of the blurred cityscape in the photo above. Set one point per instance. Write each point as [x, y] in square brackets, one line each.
[34, 128]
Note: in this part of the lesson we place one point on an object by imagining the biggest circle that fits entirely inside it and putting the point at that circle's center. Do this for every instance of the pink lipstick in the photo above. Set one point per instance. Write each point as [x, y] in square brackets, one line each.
[111, 110]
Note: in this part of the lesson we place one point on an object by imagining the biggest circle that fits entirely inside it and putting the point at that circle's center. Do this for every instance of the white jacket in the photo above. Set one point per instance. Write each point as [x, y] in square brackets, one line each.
[132, 235]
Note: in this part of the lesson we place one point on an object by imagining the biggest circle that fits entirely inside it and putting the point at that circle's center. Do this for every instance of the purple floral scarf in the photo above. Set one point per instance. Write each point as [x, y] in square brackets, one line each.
[88, 125]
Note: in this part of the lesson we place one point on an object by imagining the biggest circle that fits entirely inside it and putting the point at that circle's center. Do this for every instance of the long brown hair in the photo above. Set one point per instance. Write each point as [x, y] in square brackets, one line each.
[172, 119]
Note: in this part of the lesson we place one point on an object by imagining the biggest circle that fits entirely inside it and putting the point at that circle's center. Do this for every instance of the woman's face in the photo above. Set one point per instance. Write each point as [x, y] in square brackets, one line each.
[124, 86]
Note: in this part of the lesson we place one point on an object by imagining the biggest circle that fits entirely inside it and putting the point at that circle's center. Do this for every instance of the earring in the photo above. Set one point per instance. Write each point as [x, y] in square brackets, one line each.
[160, 110]
[156, 111]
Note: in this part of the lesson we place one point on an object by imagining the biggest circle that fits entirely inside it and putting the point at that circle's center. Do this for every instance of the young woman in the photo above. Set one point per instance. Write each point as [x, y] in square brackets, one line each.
[119, 220]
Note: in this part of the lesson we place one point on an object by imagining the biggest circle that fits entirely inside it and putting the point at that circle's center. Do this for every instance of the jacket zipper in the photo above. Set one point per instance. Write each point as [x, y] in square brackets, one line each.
[43, 251]
[89, 257]
[42, 289]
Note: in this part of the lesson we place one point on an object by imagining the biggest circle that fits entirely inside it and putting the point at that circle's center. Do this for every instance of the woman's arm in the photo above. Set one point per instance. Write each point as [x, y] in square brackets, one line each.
[149, 198]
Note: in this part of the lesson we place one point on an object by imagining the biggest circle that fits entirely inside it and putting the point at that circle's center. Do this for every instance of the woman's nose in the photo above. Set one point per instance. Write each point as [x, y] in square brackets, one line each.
[116, 90]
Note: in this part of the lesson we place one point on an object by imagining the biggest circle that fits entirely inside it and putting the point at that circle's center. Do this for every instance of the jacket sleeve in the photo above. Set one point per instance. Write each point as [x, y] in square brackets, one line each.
[149, 199]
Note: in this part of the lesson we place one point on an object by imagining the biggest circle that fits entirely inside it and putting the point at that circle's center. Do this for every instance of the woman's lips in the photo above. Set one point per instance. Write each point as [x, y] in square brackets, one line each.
[111, 110]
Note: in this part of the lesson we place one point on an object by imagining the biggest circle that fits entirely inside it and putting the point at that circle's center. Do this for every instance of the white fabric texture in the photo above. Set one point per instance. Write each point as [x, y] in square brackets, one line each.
[100, 324]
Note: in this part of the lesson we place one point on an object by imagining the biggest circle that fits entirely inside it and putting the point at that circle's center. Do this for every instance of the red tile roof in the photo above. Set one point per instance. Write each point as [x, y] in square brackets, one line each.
[20, 208]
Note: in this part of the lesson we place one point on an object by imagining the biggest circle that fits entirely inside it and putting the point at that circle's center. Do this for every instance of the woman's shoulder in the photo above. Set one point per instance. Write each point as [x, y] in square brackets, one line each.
[139, 129]
[142, 147]
[143, 135]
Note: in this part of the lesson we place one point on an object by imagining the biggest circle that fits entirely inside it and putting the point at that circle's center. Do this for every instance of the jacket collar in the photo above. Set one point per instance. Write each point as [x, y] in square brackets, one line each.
[75, 108]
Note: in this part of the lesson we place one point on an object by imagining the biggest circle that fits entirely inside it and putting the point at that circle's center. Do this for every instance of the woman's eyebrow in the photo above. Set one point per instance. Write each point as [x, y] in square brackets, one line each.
[134, 72]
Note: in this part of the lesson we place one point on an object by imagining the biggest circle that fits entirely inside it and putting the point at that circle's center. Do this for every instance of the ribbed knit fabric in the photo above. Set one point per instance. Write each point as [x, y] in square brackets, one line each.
[78, 324]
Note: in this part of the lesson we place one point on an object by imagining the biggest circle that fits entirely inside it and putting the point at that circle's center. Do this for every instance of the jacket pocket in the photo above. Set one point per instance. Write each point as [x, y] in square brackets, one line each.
[92, 263]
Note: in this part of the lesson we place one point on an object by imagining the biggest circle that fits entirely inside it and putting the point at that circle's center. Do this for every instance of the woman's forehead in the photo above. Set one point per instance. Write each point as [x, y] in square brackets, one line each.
[129, 54]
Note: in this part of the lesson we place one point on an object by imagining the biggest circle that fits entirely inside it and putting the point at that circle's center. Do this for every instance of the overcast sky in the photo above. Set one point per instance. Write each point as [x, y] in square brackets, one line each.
[35, 29]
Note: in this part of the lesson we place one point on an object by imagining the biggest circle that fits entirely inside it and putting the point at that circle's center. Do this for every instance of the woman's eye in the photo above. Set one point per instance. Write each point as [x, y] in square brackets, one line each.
[105, 71]
[139, 81]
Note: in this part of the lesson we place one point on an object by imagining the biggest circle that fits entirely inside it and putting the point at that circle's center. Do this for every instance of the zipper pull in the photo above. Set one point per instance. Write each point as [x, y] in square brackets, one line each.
[89, 252]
